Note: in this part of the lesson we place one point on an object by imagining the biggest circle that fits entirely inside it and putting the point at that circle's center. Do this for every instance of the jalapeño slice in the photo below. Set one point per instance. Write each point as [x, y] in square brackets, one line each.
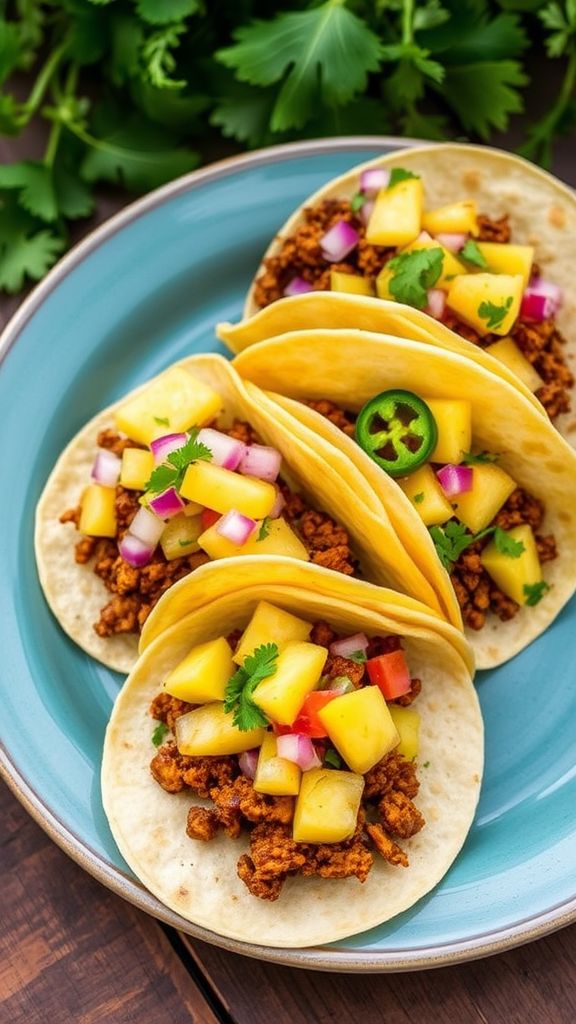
[397, 430]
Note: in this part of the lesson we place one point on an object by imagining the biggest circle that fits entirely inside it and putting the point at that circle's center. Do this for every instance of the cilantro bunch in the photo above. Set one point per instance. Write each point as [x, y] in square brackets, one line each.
[137, 92]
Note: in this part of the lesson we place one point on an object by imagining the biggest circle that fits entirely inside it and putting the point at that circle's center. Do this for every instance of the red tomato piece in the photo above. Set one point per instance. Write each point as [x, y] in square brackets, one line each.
[389, 672]
[307, 721]
[208, 517]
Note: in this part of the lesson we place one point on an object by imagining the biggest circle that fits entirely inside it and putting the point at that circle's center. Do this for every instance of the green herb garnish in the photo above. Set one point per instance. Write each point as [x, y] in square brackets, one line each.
[414, 273]
[480, 458]
[185, 543]
[239, 689]
[472, 254]
[494, 315]
[451, 540]
[506, 544]
[171, 473]
[332, 758]
[426, 764]
[357, 202]
[162, 421]
[264, 528]
[159, 734]
[535, 592]
[398, 174]
[418, 498]
[359, 657]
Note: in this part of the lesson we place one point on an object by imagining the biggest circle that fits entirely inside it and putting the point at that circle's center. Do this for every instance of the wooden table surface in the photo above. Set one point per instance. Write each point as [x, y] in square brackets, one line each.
[71, 952]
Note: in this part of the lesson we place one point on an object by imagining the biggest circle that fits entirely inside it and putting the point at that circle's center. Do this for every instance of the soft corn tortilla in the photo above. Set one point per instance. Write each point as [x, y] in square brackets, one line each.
[198, 880]
[350, 367]
[542, 213]
[76, 595]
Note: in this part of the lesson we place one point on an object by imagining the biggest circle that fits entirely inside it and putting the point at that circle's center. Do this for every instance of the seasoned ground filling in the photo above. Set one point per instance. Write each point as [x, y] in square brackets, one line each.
[388, 813]
[136, 591]
[301, 256]
[476, 591]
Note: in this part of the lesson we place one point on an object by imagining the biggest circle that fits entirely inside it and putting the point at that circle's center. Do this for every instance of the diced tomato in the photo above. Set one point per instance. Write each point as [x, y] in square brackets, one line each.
[389, 672]
[208, 517]
[307, 721]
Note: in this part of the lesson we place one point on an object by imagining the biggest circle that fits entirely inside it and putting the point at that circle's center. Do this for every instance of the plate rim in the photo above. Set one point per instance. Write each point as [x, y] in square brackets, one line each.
[324, 958]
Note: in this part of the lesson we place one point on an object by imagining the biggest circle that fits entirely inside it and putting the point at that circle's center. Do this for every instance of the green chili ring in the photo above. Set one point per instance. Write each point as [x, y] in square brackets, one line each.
[398, 431]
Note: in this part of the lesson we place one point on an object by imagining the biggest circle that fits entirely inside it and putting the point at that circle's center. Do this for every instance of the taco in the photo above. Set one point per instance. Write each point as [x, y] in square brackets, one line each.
[490, 257]
[479, 486]
[153, 498]
[290, 768]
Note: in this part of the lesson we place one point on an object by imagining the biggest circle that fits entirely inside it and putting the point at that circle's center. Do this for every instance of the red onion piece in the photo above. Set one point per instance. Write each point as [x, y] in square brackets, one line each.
[452, 241]
[278, 506]
[226, 451]
[349, 645]
[162, 446]
[147, 527]
[106, 468]
[260, 461]
[366, 210]
[235, 527]
[248, 762]
[135, 551]
[167, 504]
[455, 479]
[373, 179]
[541, 300]
[436, 303]
[338, 241]
[298, 286]
[299, 749]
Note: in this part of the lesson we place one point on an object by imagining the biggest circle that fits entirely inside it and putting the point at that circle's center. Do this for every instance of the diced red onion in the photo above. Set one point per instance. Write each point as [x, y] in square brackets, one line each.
[162, 446]
[106, 468]
[167, 504]
[248, 762]
[452, 241]
[147, 527]
[135, 551]
[436, 303]
[262, 462]
[373, 179]
[226, 451]
[349, 645]
[339, 241]
[366, 210]
[235, 527]
[298, 286]
[455, 479]
[541, 300]
[278, 506]
[299, 749]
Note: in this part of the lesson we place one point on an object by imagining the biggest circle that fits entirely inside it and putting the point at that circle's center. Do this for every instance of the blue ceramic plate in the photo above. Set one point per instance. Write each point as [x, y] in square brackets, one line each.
[141, 292]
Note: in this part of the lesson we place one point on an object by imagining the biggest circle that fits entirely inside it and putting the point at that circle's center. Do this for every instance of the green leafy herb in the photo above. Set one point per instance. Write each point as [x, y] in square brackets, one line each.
[507, 545]
[159, 733]
[472, 254]
[359, 657]
[264, 528]
[357, 202]
[479, 458]
[493, 314]
[451, 540]
[535, 592]
[171, 473]
[238, 696]
[418, 498]
[414, 273]
[398, 174]
[185, 543]
[426, 764]
[332, 758]
[162, 421]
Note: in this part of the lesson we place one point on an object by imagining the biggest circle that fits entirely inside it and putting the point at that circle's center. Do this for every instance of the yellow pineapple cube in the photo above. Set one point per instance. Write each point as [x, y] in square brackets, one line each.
[454, 421]
[424, 491]
[203, 674]
[453, 219]
[451, 266]
[298, 671]
[503, 258]
[360, 726]
[407, 722]
[270, 625]
[490, 303]
[327, 806]
[513, 574]
[383, 283]
[280, 540]
[175, 397]
[352, 283]
[275, 775]
[491, 487]
[180, 536]
[397, 214]
[210, 731]
[506, 351]
[222, 490]
[136, 468]
[98, 514]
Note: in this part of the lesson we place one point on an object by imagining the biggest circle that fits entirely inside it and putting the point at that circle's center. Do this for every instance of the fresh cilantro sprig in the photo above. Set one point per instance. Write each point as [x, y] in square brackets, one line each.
[238, 695]
[398, 174]
[359, 657]
[508, 545]
[171, 473]
[159, 734]
[264, 528]
[472, 254]
[413, 274]
[452, 540]
[535, 592]
[493, 314]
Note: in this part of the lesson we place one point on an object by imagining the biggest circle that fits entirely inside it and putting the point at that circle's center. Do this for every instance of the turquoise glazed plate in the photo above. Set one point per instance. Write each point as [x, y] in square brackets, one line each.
[142, 291]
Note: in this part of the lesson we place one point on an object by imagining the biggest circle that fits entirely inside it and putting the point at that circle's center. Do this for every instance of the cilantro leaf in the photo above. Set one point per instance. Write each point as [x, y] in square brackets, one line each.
[171, 473]
[35, 186]
[451, 540]
[418, 498]
[398, 174]
[357, 202]
[484, 95]
[168, 10]
[158, 58]
[493, 314]
[25, 251]
[507, 545]
[159, 734]
[414, 273]
[161, 479]
[472, 254]
[359, 657]
[264, 528]
[332, 758]
[535, 592]
[244, 113]
[239, 689]
[426, 764]
[10, 48]
[480, 458]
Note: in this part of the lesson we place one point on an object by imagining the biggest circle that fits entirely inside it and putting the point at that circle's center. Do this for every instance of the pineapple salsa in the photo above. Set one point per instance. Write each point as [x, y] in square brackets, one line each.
[305, 739]
[168, 493]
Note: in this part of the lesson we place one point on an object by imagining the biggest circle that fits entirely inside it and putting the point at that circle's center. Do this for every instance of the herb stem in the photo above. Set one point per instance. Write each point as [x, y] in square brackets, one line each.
[43, 81]
[407, 22]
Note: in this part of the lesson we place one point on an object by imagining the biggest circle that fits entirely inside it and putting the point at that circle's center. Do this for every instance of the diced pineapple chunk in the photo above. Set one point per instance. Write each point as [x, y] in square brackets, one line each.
[397, 214]
[491, 487]
[298, 670]
[353, 283]
[424, 491]
[383, 283]
[407, 722]
[203, 674]
[451, 266]
[360, 726]
[503, 258]
[506, 351]
[209, 731]
[98, 515]
[222, 490]
[490, 303]
[454, 421]
[513, 574]
[456, 218]
[275, 775]
[280, 540]
[270, 625]
[327, 806]
[175, 396]
[180, 536]
[136, 468]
